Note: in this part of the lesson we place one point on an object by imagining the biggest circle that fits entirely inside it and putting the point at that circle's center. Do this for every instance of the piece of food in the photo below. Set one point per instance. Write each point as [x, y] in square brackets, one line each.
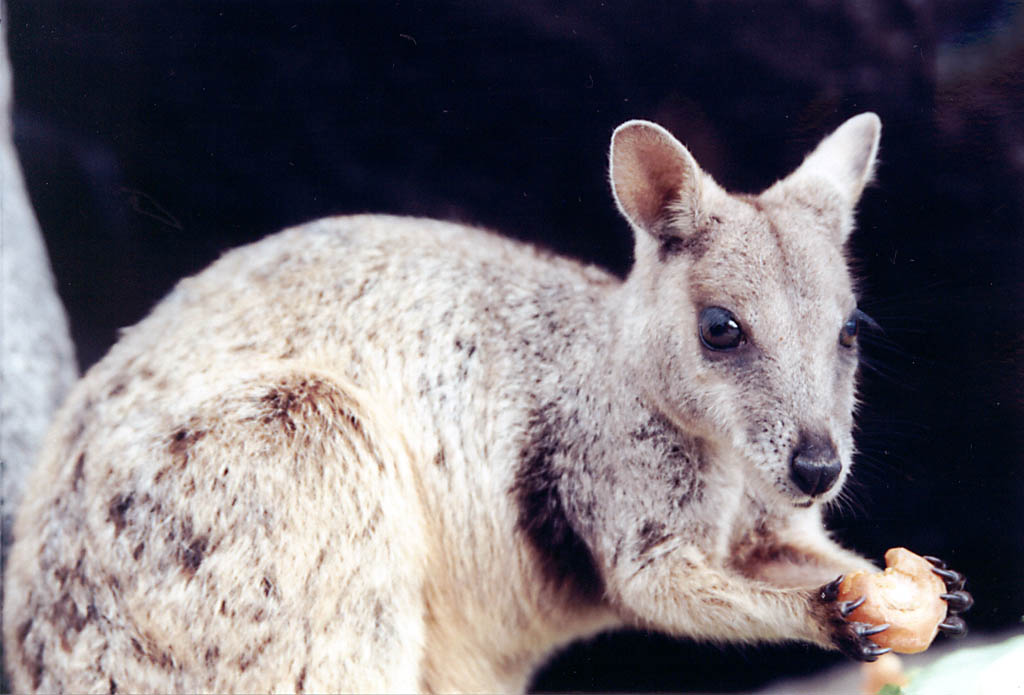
[907, 596]
[886, 670]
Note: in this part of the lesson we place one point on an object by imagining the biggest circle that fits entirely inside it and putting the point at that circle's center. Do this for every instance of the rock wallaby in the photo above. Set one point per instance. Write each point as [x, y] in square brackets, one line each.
[384, 454]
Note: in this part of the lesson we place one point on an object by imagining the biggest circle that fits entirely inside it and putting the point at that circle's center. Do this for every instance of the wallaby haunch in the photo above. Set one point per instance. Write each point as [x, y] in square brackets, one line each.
[385, 454]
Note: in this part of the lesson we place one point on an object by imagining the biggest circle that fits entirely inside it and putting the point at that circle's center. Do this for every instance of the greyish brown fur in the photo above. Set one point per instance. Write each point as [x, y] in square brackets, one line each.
[385, 454]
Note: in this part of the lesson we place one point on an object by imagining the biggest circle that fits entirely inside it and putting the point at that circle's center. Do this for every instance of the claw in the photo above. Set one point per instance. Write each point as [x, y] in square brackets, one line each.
[847, 607]
[867, 632]
[830, 592]
[954, 626]
[935, 561]
[957, 601]
[872, 653]
[954, 580]
[852, 637]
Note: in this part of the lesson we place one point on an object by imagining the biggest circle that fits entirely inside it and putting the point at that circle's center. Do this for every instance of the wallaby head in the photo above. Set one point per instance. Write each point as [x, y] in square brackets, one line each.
[741, 318]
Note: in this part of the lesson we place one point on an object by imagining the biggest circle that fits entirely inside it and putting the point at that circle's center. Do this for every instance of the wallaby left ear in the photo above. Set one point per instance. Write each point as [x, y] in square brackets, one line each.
[846, 158]
[650, 173]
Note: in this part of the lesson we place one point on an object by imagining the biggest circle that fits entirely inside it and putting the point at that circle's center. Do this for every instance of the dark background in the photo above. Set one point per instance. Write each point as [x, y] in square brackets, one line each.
[154, 135]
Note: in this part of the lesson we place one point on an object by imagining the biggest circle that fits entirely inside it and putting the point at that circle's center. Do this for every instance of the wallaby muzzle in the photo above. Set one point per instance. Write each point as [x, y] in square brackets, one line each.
[814, 465]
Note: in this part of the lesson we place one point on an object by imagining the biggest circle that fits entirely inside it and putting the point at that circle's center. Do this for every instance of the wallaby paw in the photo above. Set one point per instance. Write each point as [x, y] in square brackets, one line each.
[849, 636]
[957, 600]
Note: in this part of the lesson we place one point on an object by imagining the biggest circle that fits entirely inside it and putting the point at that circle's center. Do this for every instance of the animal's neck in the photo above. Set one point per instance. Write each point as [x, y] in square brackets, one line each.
[544, 588]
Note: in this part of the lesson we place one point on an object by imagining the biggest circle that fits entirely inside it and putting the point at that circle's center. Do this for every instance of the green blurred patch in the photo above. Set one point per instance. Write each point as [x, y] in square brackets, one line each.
[990, 670]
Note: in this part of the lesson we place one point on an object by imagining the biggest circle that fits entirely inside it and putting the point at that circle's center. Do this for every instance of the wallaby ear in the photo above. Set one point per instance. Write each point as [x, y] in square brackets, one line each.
[846, 158]
[649, 170]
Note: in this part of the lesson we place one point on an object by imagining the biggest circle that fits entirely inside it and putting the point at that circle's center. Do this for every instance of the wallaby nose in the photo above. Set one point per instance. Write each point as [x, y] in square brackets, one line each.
[815, 466]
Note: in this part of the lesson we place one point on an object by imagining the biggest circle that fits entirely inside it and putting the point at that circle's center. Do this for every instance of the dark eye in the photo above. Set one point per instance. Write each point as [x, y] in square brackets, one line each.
[848, 334]
[719, 329]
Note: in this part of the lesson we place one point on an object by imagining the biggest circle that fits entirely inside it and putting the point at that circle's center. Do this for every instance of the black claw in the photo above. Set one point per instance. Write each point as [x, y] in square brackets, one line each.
[954, 626]
[868, 631]
[957, 601]
[856, 642]
[935, 561]
[847, 607]
[954, 580]
[830, 592]
[851, 638]
[872, 653]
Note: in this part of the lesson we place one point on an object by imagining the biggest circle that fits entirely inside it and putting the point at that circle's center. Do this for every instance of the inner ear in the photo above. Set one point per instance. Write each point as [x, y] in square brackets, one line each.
[654, 178]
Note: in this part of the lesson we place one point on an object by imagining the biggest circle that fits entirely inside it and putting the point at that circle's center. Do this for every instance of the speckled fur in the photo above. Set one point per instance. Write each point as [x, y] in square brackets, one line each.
[385, 454]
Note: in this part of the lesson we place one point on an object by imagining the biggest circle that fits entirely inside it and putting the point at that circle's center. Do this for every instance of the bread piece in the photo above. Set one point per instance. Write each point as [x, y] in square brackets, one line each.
[907, 595]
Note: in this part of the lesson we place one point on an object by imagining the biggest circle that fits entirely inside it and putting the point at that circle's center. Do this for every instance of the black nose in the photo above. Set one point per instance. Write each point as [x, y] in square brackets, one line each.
[815, 466]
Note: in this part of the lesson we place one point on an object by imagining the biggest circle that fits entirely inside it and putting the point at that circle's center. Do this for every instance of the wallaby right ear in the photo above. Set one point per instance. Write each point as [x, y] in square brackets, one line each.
[846, 158]
[650, 170]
